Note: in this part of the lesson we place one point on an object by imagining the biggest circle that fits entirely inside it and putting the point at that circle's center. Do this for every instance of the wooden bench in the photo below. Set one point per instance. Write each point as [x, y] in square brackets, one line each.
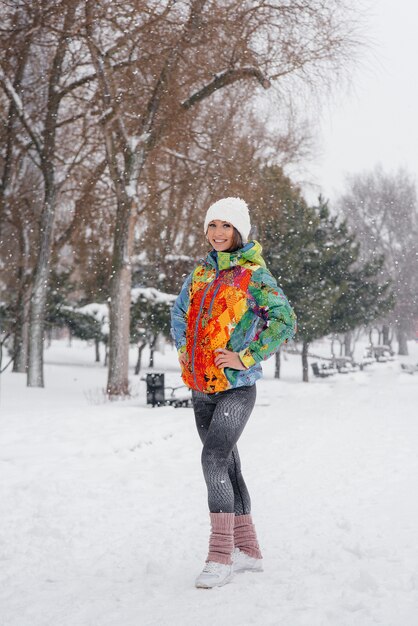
[409, 369]
[380, 353]
[322, 372]
[156, 392]
[344, 364]
[367, 360]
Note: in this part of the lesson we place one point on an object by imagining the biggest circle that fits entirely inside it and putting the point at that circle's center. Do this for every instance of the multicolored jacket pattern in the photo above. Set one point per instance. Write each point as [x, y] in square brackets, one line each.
[231, 301]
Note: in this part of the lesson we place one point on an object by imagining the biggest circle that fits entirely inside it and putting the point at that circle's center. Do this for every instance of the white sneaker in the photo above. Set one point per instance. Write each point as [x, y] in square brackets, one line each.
[242, 562]
[214, 575]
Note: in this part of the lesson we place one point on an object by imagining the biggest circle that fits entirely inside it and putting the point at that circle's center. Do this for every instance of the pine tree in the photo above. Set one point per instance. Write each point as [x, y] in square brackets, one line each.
[315, 260]
[150, 316]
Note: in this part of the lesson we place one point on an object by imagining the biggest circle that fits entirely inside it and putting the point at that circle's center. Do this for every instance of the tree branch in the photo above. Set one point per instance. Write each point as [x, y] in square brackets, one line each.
[98, 62]
[53, 102]
[88, 79]
[171, 61]
[89, 186]
[10, 126]
[14, 98]
[228, 77]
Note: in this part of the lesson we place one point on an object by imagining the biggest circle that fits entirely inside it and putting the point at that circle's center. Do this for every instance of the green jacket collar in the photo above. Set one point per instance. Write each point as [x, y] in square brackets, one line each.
[251, 253]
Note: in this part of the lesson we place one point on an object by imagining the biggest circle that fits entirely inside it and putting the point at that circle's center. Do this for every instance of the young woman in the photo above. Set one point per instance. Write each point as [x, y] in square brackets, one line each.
[229, 316]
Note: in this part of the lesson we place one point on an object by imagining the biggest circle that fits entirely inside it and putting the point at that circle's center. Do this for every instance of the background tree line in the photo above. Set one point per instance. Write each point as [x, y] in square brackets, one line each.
[122, 120]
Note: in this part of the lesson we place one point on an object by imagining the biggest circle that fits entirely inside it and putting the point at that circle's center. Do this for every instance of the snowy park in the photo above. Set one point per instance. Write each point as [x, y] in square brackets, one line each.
[104, 517]
[200, 199]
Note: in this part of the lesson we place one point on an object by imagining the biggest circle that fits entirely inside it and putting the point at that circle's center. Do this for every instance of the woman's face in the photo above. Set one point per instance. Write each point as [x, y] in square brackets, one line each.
[220, 235]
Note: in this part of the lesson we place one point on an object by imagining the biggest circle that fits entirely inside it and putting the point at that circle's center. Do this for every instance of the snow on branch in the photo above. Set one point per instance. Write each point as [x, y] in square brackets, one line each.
[98, 311]
[151, 294]
[134, 141]
[183, 157]
[85, 80]
[14, 98]
[223, 79]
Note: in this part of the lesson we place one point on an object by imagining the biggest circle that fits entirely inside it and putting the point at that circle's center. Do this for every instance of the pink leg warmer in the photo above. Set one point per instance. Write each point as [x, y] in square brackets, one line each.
[245, 536]
[221, 542]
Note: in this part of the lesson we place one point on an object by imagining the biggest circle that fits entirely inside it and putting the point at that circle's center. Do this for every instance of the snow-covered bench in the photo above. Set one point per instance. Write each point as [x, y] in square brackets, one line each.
[322, 372]
[344, 364]
[380, 353]
[156, 392]
[409, 369]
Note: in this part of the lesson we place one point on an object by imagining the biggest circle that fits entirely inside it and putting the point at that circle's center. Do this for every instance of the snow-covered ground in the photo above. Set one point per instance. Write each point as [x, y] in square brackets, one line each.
[103, 506]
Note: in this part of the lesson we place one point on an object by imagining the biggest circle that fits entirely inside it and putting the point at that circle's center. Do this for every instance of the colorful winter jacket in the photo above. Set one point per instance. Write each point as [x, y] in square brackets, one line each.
[231, 301]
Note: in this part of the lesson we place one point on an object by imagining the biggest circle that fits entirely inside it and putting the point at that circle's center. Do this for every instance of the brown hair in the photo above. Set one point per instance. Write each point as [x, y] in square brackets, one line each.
[236, 243]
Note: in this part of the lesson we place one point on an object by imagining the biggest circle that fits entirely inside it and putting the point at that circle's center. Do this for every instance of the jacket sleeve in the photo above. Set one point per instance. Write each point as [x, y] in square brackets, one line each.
[179, 315]
[280, 320]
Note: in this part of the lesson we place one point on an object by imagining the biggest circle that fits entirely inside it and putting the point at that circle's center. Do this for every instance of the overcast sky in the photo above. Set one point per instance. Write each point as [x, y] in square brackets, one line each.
[377, 120]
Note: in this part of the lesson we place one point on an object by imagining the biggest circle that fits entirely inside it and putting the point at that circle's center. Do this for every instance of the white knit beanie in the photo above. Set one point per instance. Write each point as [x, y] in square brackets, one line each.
[232, 210]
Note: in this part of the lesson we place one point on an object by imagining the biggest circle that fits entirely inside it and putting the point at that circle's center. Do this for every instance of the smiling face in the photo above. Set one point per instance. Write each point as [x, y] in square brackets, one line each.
[220, 235]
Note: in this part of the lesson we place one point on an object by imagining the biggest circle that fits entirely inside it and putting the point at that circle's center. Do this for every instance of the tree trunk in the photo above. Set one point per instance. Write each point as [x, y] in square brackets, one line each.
[402, 341]
[39, 293]
[21, 335]
[97, 350]
[120, 299]
[385, 332]
[305, 369]
[139, 359]
[151, 352]
[348, 351]
[277, 364]
[1, 359]
[47, 152]
[390, 337]
[21, 327]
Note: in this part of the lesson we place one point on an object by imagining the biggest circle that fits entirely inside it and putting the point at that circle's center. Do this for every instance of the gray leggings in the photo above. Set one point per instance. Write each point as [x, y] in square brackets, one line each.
[220, 420]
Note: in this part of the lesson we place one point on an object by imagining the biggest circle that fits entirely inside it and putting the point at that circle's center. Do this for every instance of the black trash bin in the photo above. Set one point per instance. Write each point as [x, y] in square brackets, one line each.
[155, 389]
[156, 392]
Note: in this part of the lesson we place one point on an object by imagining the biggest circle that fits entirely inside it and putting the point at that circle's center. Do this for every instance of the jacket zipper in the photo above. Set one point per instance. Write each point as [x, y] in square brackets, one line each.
[213, 299]
[198, 320]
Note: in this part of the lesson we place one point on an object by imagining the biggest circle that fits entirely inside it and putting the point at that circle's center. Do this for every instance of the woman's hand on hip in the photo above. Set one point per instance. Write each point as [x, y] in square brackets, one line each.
[227, 358]
[184, 359]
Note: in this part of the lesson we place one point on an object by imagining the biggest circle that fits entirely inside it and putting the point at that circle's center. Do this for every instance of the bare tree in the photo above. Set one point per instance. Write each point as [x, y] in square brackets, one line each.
[133, 86]
[176, 57]
[17, 186]
[202, 163]
[49, 120]
[43, 142]
[383, 209]
[23, 209]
